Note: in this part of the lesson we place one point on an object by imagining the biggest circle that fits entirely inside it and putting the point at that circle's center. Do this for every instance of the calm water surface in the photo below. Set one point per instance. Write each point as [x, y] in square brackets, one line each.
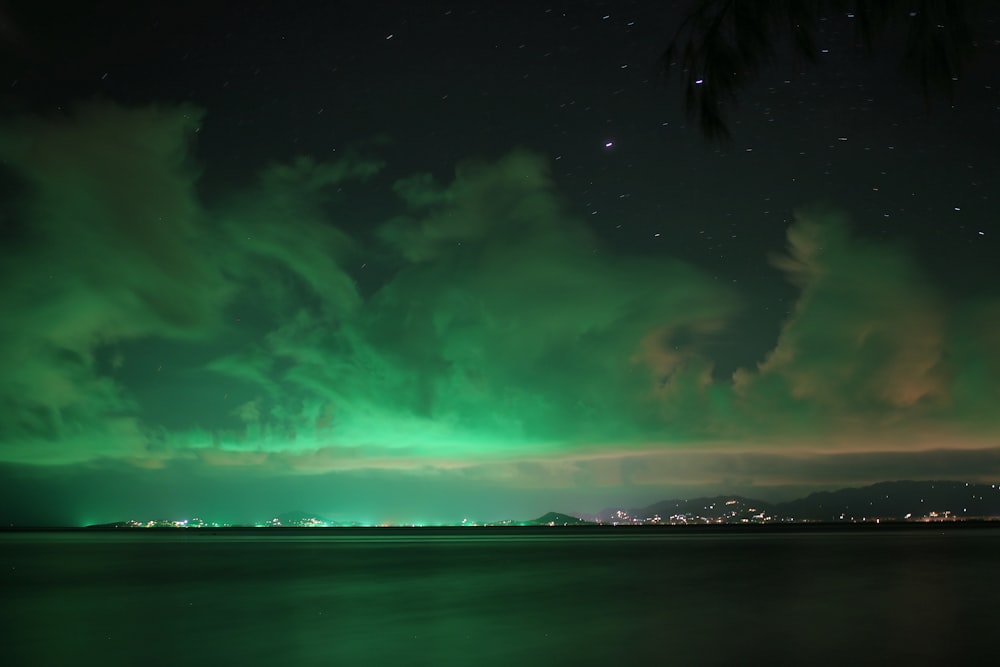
[547, 597]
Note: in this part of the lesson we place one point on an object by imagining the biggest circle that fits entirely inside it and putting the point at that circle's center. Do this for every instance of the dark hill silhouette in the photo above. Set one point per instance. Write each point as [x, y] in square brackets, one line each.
[901, 500]
[557, 519]
[898, 500]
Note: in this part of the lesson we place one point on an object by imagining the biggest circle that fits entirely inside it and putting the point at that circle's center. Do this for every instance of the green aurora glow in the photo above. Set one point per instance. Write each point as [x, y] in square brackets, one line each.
[149, 326]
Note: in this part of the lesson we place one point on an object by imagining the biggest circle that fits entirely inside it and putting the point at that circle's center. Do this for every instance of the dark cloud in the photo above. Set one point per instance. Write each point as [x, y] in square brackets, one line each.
[871, 350]
[868, 330]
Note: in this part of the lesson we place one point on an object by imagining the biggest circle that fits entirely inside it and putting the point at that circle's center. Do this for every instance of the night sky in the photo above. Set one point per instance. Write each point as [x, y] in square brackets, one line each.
[421, 261]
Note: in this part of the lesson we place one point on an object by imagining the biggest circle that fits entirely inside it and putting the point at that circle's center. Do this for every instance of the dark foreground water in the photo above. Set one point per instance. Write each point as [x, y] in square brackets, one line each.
[510, 597]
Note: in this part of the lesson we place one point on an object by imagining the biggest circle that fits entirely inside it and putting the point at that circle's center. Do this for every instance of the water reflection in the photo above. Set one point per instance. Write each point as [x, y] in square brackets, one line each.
[696, 599]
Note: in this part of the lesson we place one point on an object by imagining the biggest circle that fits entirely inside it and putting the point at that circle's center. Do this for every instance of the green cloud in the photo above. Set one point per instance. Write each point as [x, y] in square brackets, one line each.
[504, 331]
[115, 251]
[145, 324]
[108, 247]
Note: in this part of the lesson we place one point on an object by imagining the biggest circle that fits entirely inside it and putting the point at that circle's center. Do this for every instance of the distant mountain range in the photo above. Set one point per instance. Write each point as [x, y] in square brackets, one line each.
[889, 501]
[885, 501]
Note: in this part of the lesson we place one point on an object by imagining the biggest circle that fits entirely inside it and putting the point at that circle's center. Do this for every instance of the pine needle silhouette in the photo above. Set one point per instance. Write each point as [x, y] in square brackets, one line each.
[722, 45]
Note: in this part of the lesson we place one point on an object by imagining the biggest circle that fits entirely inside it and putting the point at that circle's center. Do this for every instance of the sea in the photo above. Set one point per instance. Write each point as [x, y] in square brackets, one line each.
[908, 594]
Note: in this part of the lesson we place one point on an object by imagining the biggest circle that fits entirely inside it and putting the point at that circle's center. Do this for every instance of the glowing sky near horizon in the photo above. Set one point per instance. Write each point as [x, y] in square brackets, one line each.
[205, 290]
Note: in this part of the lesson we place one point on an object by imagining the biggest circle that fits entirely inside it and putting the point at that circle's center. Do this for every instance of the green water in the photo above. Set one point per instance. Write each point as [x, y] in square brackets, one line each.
[499, 598]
